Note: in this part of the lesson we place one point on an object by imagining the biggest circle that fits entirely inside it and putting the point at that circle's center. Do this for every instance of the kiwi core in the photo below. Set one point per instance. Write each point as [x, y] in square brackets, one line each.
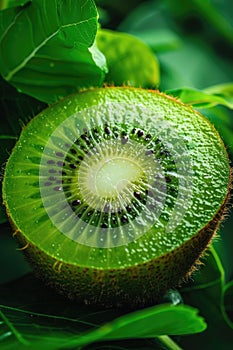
[112, 174]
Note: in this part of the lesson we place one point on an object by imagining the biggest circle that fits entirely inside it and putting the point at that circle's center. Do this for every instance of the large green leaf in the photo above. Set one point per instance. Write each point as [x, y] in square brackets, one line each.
[148, 323]
[26, 328]
[46, 48]
[129, 60]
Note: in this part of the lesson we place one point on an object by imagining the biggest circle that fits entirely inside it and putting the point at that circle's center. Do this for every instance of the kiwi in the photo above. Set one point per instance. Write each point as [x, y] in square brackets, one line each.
[115, 193]
[130, 61]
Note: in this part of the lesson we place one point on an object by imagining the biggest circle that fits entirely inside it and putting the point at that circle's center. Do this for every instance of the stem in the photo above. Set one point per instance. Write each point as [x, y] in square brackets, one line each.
[168, 342]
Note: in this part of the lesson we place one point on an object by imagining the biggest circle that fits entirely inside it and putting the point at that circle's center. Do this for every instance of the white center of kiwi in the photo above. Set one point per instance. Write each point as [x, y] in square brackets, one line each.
[112, 174]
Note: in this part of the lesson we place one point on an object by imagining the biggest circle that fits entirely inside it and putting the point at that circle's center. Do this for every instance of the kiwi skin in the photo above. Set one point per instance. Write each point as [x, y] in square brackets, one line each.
[124, 287]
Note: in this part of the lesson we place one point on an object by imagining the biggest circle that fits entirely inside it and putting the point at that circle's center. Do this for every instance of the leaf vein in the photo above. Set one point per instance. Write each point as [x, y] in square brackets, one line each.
[44, 42]
[10, 25]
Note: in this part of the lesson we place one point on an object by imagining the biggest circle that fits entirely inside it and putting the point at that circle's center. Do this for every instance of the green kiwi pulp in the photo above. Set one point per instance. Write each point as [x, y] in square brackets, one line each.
[115, 193]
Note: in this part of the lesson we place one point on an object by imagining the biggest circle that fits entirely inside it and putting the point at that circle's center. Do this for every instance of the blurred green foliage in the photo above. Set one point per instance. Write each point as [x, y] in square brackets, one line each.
[193, 41]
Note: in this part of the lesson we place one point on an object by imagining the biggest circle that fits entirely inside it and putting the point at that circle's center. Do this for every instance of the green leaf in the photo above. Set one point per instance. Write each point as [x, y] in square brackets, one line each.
[52, 42]
[200, 98]
[5, 4]
[130, 61]
[222, 90]
[22, 330]
[59, 332]
[148, 323]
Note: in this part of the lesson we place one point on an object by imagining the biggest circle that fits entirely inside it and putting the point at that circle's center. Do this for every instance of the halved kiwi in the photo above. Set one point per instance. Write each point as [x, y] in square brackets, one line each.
[116, 193]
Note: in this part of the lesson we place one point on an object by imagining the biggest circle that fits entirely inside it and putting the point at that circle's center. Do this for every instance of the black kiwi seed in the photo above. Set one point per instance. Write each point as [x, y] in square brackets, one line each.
[73, 166]
[107, 130]
[124, 139]
[148, 137]
[168, 179]
[107, 208]
[52, 178]
[124, 219]
[51, 162]
[137, 195]
[157, 141]
[164, 153]
[60, 164]
[57, 188]
[84, 137]
[149, 152]
[140, 133]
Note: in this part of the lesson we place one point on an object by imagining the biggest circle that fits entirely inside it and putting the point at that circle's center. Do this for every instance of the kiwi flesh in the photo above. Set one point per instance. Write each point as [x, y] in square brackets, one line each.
[115, 193]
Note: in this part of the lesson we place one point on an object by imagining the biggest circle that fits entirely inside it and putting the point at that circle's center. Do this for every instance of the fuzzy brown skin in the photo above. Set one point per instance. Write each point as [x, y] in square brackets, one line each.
[136, 286]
